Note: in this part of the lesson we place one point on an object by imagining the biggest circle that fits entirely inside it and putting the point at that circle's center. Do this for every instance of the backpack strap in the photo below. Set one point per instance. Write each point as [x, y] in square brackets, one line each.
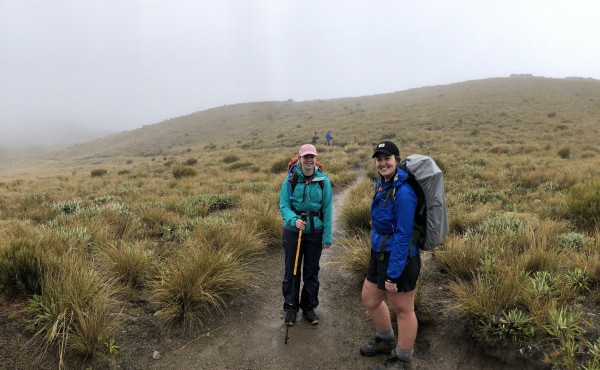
[391, 192]
[420, 222]
[292, 182]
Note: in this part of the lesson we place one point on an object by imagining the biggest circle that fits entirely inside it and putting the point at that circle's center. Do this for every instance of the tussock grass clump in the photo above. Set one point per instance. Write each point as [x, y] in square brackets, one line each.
[342, 178]
[266, 221]
[129, 263]
[241, 165]
[158, 222]
[489, 293]
[356, 213]
[202, 204]
[222, 234]
[231, 158]
[372, 173]
[564, 152]
[119, 222]
[280, 165]
[98, 172]
[355, 253]
[196, 285]
[584, 203]
[461, 257]
[76, 310]
[184, 171]
[22, 265]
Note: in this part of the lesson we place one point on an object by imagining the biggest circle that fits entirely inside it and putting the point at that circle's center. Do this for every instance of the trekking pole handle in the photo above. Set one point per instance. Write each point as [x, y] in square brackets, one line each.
[303, 218]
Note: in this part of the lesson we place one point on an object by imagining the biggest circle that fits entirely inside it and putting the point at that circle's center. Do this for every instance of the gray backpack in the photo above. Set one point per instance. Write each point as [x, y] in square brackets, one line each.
[431, 218]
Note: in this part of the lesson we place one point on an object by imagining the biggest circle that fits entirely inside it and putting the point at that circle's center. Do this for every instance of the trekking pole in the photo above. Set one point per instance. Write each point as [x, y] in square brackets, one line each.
[303, 218]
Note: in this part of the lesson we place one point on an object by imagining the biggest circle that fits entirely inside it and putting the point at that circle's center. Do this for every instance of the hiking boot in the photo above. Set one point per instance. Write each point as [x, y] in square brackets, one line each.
[290, 318]
[311, 317]
[393, 363]
[378, 345]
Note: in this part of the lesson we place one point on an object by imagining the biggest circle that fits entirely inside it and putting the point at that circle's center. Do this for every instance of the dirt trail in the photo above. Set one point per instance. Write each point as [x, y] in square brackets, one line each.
[251, 334]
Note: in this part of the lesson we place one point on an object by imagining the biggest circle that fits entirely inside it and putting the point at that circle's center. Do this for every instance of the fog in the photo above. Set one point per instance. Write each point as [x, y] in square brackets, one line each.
[108, 65]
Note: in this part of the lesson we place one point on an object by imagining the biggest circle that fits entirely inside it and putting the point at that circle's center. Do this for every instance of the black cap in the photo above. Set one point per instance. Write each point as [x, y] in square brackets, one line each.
[387, 148]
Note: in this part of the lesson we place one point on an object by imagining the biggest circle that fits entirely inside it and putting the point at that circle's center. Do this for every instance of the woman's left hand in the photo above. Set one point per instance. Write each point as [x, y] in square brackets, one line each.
[325, 246]
[391, 287]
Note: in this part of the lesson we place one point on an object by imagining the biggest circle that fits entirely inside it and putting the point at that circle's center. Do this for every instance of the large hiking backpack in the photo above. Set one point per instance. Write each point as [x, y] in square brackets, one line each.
[431, 218]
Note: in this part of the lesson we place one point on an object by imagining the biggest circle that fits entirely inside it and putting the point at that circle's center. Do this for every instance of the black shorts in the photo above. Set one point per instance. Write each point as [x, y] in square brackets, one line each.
[377, 273]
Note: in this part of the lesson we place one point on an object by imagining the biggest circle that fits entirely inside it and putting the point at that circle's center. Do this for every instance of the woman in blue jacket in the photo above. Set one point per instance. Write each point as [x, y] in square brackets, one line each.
[395, 264]
[306, 192]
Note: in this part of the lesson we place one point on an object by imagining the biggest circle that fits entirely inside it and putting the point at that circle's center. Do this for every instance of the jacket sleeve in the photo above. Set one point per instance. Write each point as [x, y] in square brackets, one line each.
[285, 207]
[404, 211]
[327, 211]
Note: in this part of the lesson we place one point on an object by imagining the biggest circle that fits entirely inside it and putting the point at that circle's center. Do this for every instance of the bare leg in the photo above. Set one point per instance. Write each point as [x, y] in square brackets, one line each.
[373, 301]
[403, 304]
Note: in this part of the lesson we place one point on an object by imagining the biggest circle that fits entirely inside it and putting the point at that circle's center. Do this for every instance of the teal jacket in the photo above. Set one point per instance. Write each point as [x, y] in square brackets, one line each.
[307, 197]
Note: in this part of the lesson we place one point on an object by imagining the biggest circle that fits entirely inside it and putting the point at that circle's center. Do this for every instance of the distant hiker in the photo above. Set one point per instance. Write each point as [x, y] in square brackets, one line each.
[314, 138]
[329, 138]
[354, 138]
[305, 193]
[395, 264]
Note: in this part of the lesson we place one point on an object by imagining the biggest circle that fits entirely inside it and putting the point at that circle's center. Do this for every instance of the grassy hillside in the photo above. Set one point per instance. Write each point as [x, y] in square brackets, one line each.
[504, 113]
[167, 222]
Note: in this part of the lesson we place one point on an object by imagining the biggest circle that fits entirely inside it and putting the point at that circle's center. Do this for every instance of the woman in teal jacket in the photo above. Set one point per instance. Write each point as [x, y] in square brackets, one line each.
[305, 203]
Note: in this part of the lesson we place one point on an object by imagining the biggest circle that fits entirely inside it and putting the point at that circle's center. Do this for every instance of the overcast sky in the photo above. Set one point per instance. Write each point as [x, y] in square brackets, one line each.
[122, 64]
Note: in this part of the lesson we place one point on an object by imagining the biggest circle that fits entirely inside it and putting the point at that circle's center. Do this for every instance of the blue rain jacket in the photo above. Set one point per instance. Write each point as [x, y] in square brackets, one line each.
[396, 219]
[308, 197]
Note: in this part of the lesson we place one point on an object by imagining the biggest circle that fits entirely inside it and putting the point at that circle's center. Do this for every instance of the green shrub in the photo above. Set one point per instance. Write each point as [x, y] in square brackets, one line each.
[98, 172]
[67, 207]
[183, 171]
[584, 204]
[573, 241]
[514, 324]
[191, 161]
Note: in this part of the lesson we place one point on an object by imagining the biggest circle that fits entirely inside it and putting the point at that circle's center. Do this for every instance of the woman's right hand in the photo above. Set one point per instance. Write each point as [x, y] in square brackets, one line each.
[300, 224]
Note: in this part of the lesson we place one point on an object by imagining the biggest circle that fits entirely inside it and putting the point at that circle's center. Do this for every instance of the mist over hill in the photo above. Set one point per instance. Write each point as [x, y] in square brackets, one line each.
[503, 110]
[33, 139]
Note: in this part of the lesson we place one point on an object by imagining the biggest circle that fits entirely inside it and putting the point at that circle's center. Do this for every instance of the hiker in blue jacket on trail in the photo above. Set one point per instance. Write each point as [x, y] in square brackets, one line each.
[395, 264]
[312, 196]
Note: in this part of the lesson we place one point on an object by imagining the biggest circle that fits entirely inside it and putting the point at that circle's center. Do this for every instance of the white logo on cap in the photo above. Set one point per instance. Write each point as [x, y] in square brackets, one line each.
[381, 145]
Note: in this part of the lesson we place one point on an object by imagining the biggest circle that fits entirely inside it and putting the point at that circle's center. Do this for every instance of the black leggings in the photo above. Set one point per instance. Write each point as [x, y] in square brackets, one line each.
[311, 247]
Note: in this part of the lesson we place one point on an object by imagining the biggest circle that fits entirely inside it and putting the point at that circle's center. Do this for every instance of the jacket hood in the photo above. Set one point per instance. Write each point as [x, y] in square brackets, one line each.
[399, 178]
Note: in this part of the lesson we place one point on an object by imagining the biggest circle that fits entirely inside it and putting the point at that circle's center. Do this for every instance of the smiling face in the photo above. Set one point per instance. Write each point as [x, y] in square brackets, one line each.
[308, 163]
[386, 165]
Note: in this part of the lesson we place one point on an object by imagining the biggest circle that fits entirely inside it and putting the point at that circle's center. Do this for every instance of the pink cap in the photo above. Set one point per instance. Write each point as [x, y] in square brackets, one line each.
[307, 149]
